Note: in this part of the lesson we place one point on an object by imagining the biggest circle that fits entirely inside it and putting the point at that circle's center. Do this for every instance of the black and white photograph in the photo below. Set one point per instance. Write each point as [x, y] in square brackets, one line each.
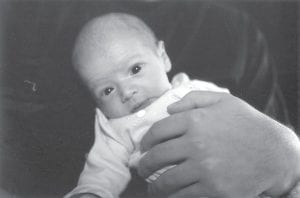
[149, 99]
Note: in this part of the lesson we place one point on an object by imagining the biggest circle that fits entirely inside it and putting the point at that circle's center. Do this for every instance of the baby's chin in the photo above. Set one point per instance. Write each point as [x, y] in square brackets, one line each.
[113, 113]
[116, 115]
[143, 105]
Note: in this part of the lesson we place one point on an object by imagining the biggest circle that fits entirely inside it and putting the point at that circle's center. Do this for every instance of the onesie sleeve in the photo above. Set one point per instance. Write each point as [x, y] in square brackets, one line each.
[105, 174]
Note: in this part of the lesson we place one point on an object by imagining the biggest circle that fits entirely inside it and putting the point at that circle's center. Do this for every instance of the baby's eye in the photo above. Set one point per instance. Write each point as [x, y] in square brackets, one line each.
[108, 90]
[136, 69]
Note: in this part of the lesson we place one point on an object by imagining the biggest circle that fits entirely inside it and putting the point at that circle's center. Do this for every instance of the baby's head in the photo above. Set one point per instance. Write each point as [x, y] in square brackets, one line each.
[120, 60]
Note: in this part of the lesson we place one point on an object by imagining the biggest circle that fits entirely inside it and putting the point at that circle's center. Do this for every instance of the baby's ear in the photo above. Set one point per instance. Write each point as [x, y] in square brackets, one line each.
[163, 54]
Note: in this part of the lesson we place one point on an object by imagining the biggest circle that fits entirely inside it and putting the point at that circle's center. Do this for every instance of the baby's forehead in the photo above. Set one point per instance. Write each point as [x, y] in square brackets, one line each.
[100, 35]
[114, 55]
[112, 27]
[114, 46]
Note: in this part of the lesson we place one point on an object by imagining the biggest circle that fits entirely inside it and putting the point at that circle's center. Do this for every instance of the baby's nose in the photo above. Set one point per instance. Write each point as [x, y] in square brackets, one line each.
[128, 92]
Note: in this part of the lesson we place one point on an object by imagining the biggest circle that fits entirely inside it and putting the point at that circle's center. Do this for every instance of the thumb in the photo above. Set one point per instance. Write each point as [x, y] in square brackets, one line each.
[195, 99]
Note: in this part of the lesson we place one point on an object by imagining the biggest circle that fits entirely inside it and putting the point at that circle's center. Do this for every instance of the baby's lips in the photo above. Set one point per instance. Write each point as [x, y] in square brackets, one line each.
[143, 104]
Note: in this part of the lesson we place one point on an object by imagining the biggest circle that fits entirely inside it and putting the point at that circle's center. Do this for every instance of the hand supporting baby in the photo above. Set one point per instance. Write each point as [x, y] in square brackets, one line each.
[85, 195]
[222, 147]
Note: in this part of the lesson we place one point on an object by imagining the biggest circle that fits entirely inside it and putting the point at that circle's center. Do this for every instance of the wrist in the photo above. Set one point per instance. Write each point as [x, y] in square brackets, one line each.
[288, 176]
[295, 192]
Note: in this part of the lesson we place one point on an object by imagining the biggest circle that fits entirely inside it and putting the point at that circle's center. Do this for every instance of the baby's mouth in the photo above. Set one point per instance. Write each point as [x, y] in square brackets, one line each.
[143, 104]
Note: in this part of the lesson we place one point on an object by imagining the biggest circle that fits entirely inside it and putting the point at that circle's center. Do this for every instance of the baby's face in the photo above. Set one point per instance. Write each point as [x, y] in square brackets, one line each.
[128, 77]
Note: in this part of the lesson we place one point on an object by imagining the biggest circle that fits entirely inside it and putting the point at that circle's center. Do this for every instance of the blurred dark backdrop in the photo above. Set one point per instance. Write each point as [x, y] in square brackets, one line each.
[279, 22]
[47, 115]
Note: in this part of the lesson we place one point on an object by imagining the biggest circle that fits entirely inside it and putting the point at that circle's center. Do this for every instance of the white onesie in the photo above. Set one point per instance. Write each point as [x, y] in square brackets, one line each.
[117, 141]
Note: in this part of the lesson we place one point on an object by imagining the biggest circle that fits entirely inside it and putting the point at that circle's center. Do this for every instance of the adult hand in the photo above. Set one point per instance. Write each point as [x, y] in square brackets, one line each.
[85, 195]
[222, 147]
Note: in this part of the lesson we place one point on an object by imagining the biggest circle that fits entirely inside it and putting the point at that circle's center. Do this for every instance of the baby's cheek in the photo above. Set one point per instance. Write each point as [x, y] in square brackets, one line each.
[106, 108]
[114, 109]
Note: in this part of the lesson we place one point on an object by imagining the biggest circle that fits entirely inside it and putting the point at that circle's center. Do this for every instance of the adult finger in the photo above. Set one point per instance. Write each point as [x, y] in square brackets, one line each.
[162, 155]
[163, 130]
[175, 178]
[195, 99]
[195, 190]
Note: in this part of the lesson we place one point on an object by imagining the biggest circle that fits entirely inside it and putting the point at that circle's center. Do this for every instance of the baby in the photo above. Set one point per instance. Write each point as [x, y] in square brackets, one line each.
[125, 68]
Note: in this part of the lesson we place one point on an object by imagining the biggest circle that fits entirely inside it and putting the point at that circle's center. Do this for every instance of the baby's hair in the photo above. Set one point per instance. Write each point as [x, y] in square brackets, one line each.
[100, 28]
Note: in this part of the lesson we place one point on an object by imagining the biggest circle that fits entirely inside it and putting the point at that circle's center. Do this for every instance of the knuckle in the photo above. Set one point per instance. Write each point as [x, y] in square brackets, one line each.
[196, 116]
[233, 101]
[191, 96]
[210, 165]
[225, 96]
[231, 98]
[196, 147]
[238, 105]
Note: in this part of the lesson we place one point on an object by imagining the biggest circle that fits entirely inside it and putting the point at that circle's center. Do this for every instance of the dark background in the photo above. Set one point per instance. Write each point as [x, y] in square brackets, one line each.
[47, 124]
[278, 21]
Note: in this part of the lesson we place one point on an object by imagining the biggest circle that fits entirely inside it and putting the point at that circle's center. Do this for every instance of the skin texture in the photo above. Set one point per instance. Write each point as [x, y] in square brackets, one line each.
[122, 70]
[223, 147]
[86, 195]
